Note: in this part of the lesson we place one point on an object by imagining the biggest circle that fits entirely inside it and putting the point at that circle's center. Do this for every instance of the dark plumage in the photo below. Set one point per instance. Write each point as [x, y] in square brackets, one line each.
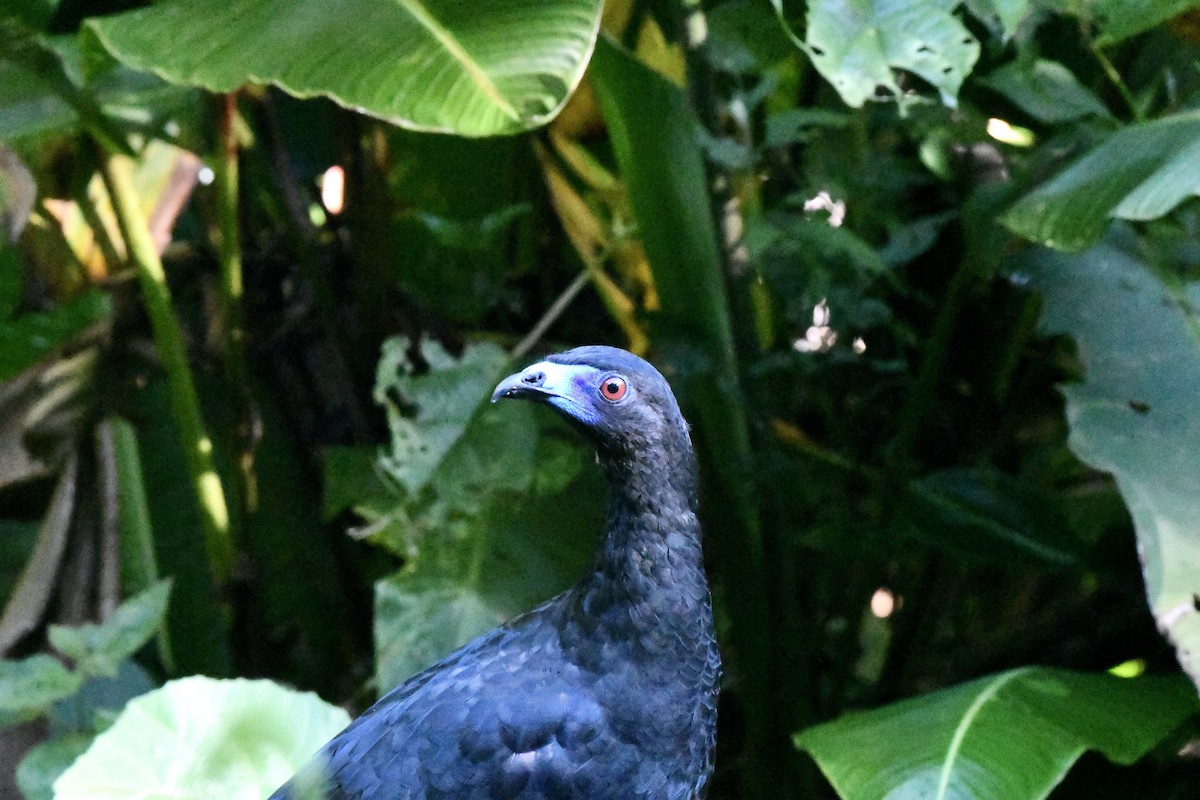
[608, 690]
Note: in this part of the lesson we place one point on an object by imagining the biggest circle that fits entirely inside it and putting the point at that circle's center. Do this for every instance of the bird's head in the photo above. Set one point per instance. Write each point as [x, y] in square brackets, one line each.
[620, 401]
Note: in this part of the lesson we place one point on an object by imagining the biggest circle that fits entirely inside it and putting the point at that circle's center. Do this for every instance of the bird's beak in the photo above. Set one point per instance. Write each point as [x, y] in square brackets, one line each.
[560, 386]
[535, 381]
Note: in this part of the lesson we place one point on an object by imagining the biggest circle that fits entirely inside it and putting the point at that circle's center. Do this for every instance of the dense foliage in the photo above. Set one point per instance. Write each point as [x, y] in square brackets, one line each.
[923, 273]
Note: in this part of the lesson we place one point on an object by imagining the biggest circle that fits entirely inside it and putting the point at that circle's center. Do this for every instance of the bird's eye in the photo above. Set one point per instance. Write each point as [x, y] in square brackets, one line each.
[613, 388]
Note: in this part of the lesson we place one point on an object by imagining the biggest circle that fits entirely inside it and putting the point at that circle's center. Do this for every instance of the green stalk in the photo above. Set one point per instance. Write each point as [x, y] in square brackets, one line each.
[168, 339]
[232, 324]
[230, 249]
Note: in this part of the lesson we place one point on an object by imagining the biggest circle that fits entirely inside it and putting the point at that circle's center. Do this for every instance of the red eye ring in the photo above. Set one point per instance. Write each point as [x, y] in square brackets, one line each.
[613, 388]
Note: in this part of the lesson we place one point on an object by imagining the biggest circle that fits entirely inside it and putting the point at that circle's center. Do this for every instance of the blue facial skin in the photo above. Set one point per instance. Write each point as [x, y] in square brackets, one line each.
[571, 389]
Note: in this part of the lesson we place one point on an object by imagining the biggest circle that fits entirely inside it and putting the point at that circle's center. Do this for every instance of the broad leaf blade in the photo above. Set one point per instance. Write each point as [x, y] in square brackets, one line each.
[199, 738]
[1011, 736]
[1159, 168]
[1046, 90]
[1134, 415]
[428, 413]
[436, 65]
[856, 44]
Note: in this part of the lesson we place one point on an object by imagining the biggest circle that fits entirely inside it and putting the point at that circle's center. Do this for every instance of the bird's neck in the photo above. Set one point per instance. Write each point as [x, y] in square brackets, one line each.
[649, 573]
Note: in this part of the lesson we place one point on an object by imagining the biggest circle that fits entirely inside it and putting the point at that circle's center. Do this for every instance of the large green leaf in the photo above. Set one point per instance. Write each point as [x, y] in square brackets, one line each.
[1011, 736]
[1134, 415]
[492, 514]
[856, 44]
[474, 69]
[428, 413]
[1139, 173]
[201, 739]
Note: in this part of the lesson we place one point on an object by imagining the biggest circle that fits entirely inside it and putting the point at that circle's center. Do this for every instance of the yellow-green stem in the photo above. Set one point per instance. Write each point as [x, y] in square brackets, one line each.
[197, 445]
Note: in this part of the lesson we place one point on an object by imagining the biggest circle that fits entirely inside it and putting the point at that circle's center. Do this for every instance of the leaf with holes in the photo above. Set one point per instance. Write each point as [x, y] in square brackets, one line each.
[856, 45]
[428, 413]
[475, 69]
[1011, 736]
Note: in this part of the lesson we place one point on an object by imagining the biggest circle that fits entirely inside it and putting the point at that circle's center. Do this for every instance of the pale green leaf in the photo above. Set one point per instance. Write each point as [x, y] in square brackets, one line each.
[856, 45]
[1011, 736]
[203, 739]
[1134, 415]
[1159, 168]
[438, 65]
[1046, 90]
[99, 649]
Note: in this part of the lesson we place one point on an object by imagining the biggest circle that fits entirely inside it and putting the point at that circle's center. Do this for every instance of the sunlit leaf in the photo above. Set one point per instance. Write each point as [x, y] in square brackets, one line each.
[201, 739]
[856, 45]
[439, 65]
[1159, 169]
[1134, 415]
[1011, 736]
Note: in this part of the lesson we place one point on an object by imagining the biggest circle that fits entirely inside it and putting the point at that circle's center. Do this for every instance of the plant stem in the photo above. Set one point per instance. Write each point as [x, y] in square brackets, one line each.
[552, 314]
[210, 495]
[231, 316]
[1114, 77]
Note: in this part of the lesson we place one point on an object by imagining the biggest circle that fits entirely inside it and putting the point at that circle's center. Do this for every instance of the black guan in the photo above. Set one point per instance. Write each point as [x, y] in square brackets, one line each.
[606, 692]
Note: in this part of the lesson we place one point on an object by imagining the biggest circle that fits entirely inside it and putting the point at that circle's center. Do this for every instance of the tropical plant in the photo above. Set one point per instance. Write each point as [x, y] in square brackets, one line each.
[923, 273]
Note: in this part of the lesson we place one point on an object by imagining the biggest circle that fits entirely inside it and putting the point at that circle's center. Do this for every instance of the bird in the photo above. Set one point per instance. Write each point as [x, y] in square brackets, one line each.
[607, 691]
